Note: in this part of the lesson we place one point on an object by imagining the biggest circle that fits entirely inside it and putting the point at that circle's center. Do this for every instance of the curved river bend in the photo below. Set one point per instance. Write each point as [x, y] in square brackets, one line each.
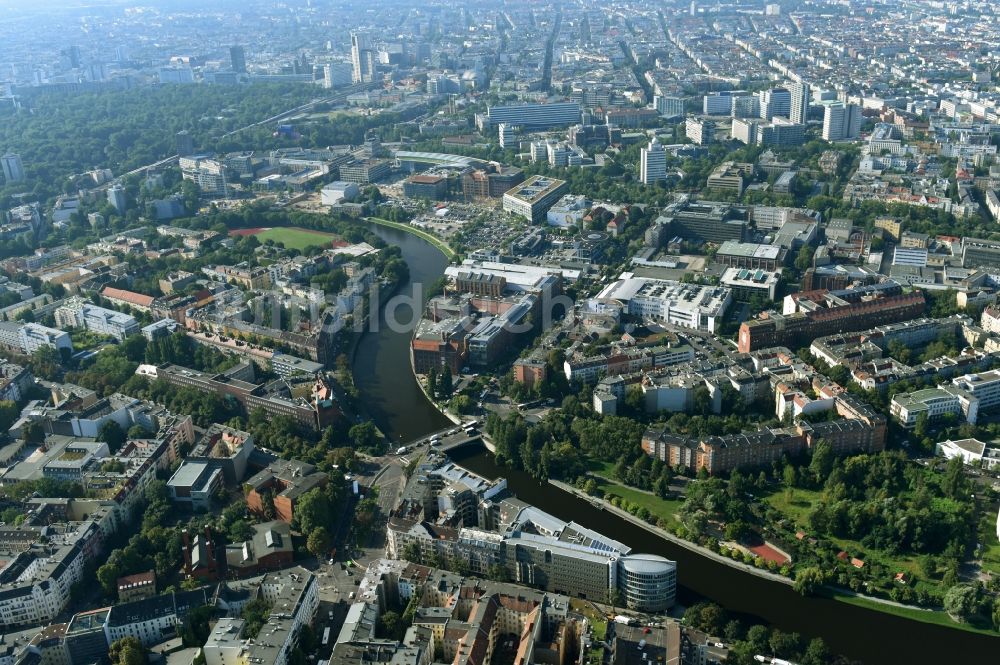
[383, 376]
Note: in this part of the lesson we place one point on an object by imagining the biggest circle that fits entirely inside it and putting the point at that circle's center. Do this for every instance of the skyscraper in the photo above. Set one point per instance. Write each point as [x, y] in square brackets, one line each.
[841, 122]
[238, 59]
[362, 58]
[116, 197]
[653, 163]
[337, 74]
[13, 169]
[799, 108]
[776, 101]
[184, 143]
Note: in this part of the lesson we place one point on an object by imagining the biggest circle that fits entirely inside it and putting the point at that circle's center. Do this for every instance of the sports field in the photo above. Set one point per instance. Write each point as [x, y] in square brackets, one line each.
[292, 237]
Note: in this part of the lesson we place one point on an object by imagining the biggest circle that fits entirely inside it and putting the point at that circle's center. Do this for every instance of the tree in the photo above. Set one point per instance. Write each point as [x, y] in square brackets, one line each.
[239, 531]
[319, 542]
[8, 414]
[392, 625]
[808, 580]
[255, 615]
[313, 510]
[33, 432]
[432, 382]
[816, 653]
[960, 602]
[45, 363]
[364, 436]
[112, 434]
[447, 384]
[107, 576]
[803, 261]
[127, 651]
[411, 552]
[822, 461]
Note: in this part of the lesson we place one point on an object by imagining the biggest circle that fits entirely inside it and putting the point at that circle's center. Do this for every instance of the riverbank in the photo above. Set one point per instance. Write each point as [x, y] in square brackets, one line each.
[666, 535]
[420, 233]
[923, 615]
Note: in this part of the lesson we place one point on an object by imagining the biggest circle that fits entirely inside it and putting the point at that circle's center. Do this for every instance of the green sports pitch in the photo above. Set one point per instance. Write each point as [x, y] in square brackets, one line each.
[293, 237]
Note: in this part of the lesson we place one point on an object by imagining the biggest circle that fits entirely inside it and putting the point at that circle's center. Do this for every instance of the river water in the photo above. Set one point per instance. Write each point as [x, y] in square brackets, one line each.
[398, 406]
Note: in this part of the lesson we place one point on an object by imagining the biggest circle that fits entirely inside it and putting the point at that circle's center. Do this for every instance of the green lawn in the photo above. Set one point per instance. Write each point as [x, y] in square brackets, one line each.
[663, 508]
[598, 621]
[926, 616]
[601, 468]
[795, 503]
[991, 558]
[296, 238]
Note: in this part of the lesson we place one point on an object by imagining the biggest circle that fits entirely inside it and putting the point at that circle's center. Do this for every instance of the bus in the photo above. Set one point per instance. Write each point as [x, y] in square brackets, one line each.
[326, 636]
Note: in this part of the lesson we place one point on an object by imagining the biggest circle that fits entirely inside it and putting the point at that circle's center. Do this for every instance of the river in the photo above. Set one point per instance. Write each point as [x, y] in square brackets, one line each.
[398, 406]
[382, 372]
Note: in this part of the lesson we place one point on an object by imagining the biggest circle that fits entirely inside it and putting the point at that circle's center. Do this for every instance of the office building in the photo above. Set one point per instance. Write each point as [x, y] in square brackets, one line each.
[116, 197]
[705, 221]
[26, 338]
[337, 74]
[238, 59]
[533, 116]
[745, 130]
[533, 198]
[780, 132]
[721, 103]
[669, 107]
[194, 484]
[745, 106]
[841, 122]
[984, 386]
[364, 171]
[184, 143]
[508, 135]
[751, 255]
[13, 169]
[492, 182]
[450, 513]
[730, 176]
[653, 163]
[700, 131]
[934, 403]
[686, 305]
[362, 58]
[77, 313]
[775, 102]
[745, 283]
[799, 109]
[425, 186]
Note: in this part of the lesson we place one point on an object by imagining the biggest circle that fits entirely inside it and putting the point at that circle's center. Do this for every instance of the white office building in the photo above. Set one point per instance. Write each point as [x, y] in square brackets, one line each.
[669, 107]
[508, 135]
[116, 197]
[799, 109]
[775, 102]
[337, 74]
[699, 130]
[841, 122]
[33, 336]
[653, 163]
[984, 386]
[80, 314]
[687, 305]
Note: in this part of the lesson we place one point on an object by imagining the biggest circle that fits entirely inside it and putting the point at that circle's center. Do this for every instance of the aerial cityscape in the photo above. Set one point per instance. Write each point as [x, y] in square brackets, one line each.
[499, 333]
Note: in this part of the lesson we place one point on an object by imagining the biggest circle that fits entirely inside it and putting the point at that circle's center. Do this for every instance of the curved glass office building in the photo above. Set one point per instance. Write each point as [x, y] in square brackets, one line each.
[648, 582]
